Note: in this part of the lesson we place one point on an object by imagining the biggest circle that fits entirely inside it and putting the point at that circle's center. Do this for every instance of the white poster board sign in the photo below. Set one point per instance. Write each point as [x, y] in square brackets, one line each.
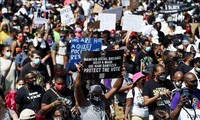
[126, 3]
[132, 22]
[107, 21]
[41, 16]
[67, 16]
[117, 11]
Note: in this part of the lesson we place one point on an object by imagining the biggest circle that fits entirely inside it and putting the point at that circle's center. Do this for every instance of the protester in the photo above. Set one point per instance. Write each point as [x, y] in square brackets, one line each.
[59, 94]
[135, 100]
[7, 68]
[157, 90]
[30, 95]
[38, 68]
[186, 104]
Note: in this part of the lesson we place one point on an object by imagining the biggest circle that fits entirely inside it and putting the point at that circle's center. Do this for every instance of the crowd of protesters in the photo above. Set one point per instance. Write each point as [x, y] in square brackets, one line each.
[160, 71]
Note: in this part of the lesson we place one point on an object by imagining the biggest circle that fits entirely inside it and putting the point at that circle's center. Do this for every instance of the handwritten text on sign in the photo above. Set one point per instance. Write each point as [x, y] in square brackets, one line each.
[41, 16]
[97, 66]
[67, 17]
[83, 44]
[105, 23]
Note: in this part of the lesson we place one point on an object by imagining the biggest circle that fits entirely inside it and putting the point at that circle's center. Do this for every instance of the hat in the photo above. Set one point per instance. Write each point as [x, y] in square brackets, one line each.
[137, 76]
[95, 89]
[177, 42]
[4, 10]
[149, 68]
[27, 114]
[179, 30]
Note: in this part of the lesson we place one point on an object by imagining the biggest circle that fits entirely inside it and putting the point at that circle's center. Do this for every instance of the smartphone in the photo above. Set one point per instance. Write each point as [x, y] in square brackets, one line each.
[59, 99]
[186, 93]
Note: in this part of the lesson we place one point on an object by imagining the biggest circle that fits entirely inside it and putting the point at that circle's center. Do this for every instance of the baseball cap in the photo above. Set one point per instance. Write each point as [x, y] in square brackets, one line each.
[4, 10]
[27, 114]
[137, 76]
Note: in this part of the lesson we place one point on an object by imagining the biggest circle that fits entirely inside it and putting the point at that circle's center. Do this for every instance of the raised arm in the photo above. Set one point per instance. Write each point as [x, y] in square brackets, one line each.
[80, 98]
[115, 88]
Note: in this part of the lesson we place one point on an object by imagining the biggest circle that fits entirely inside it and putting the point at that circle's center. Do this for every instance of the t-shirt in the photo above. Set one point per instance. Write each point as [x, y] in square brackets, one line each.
[152, 88]
[30, 99]
[8, 41]
[41, 72]
[49, 97]
[44, 51]
[185, 68]
[138, 107]
[19, 59]
[195, 104]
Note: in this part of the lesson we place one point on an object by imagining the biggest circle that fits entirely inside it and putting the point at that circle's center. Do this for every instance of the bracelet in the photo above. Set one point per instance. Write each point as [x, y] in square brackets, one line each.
[53, 104]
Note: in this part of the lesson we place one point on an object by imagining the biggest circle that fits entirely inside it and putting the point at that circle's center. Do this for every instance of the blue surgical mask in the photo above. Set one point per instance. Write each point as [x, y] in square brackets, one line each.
[197, 69]
[148, 48]
[37, 61]
[8, 54]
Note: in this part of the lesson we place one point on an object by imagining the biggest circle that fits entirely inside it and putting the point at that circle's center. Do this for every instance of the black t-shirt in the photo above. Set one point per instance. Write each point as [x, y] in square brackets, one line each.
[185, 68]
[30, 99]
[27, 60]
[41, 72]
[151, 88]
[49, 97]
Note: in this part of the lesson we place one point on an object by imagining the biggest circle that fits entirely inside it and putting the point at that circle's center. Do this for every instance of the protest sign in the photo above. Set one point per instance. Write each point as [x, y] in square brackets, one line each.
[107, 21]
[132, 22]
[102, 64]
[134, 4]
[117, 11]
[67, 16]
[97, 8]
[41, 16]
[194, 26]
[125, 2]
[83, 44]
[94, 25]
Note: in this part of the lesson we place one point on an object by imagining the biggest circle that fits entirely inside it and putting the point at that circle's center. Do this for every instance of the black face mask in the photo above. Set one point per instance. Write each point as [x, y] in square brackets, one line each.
[32, 84]
[161, 77]
[95, 99]
[25, 49]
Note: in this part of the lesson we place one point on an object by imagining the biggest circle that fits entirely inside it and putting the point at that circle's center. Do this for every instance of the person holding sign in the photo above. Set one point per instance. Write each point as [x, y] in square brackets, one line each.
[94, 107]
[185, 103]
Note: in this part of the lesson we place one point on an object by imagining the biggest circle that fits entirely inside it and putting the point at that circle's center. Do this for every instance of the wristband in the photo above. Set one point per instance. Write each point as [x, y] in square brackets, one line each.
[53, 104]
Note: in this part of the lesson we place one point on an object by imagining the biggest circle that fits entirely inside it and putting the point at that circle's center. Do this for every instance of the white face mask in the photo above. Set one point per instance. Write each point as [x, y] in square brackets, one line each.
[178, 84]
[180, 47]
[19, 86]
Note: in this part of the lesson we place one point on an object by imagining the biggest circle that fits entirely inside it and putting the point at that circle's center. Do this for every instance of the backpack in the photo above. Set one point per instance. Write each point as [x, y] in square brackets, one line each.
[10, 99]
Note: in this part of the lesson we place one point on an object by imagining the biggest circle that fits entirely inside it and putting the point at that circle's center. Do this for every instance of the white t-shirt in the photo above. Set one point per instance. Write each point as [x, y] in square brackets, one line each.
[138, 107]
[86, 5]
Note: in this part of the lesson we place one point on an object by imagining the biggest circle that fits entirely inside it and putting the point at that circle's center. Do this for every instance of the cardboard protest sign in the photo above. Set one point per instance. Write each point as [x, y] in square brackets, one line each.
[117, 11]
[125, 2]
[132, 22]
[41, 16]
[67, 16]
[83, 44]
[94, 25]
[97, 8]
[107, 21]
[102, 64]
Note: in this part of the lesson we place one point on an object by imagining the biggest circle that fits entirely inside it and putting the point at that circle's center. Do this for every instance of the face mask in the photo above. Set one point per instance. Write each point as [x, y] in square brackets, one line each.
[59, 87]
[8, 54]
[37, 61]
[95, 99]
[19, 86]
[39, 39]
[178, 84]
[161, 77]
[32, 84]
[188, 30]
[134, 51]
[180, 47]
[148, 48]
[197, 69]
[63, 39]
[21, 39]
